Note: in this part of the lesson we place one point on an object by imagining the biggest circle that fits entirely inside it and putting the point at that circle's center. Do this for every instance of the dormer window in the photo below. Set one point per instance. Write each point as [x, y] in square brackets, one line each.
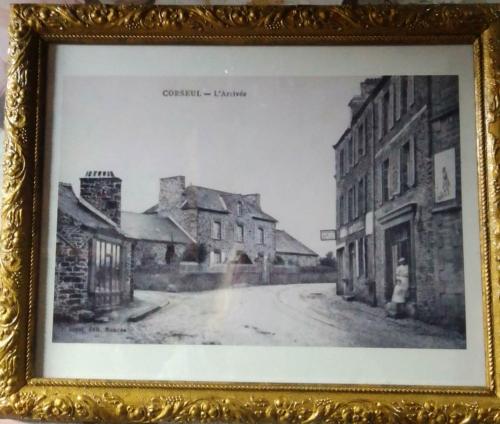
[239, 209]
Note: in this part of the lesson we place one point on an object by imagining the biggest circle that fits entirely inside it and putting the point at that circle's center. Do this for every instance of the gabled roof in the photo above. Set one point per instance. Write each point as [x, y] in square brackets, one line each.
[285, 243]
[153, 228]
[82, 211]
[203, 198]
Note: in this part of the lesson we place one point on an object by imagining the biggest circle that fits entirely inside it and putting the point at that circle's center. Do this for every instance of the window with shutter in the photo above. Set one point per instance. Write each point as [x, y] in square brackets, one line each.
[404, 89]
[355, 145]
[410, 94]
[361, 195]
[239, 232]
[395, 172]
[216, 230]
[342, 162]
[386, 122]
[411, 162]
[341, 210]
[217, 257]
[371, 123]
[365, 258]
[350, 152]
[397, 83]
[260, 235]
[356, 260]
[385, 180]
[344, 211]
[361, 138]
[380, 119]
[355, 201]
[350, 205]
[361, 257]
[390, 107]
[404, 162]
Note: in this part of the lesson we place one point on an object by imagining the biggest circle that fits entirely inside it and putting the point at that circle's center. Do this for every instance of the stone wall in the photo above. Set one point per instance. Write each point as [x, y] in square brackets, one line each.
[71, 275]
[298, 260]
[447, 216]
[72, 300]
[181, 278]
[302, 275]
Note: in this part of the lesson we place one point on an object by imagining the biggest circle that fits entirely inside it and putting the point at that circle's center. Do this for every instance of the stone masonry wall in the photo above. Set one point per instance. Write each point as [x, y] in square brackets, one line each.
[71, 279]
[298, 260]
[228, 244]
[71, 292]
[447, 218]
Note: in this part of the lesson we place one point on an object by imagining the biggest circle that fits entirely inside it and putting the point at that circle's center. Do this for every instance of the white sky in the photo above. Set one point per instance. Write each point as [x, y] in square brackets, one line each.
[276, 141]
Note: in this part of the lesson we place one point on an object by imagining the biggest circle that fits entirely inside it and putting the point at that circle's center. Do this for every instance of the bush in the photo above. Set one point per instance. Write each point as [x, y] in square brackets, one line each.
[328, 260]
[278, 260]
[195, 253]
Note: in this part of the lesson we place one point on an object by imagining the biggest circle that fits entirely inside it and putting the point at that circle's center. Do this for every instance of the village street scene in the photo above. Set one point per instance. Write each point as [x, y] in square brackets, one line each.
[204, 265]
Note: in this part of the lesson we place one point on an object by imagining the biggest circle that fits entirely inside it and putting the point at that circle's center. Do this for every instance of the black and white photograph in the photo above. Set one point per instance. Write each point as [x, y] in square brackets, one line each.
[260, 211]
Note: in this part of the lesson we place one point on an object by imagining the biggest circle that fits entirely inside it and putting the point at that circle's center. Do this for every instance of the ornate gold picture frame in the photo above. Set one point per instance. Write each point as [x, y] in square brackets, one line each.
[34, 28]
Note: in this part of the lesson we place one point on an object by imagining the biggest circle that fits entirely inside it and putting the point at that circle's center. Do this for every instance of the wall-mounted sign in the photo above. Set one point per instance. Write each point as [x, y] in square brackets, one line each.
[328, 235]
[444, 175]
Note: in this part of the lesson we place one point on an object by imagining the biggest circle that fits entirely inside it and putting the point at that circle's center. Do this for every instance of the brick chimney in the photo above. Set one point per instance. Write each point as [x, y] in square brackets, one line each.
[103, 191]
[171, 195]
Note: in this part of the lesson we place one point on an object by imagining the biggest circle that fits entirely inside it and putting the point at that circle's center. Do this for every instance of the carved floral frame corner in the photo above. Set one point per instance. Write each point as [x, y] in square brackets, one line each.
[32, 28]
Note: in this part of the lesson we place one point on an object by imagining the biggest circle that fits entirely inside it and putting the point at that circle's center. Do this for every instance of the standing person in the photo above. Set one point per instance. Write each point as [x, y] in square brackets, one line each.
[402, 286]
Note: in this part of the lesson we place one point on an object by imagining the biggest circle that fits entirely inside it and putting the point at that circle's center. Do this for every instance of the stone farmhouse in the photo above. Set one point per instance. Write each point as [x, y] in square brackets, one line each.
[99, 246]
[232, 227]
[397, 172]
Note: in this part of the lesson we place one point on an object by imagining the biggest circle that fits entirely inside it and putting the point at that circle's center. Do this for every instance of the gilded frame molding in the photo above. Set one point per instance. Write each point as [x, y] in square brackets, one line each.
[32, 28]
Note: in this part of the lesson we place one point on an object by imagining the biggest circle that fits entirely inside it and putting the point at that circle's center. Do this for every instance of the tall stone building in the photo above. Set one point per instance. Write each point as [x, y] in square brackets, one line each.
[398, 195]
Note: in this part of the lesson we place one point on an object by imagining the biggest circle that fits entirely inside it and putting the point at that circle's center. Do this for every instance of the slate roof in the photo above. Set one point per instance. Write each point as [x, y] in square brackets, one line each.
[197, 197]
[153, 228]
[82, 211]
[133, 225]
[285, 243]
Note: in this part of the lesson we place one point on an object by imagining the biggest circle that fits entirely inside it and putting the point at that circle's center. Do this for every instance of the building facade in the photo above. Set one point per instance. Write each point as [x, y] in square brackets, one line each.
[232, 227]
[93, 260]
[411, 205]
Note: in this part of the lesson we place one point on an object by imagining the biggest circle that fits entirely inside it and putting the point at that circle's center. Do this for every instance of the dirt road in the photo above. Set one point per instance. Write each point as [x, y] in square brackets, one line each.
[287, 315]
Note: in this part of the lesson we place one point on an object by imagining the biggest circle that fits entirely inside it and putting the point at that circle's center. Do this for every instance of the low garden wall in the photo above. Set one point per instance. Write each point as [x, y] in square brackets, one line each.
[194, 277]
